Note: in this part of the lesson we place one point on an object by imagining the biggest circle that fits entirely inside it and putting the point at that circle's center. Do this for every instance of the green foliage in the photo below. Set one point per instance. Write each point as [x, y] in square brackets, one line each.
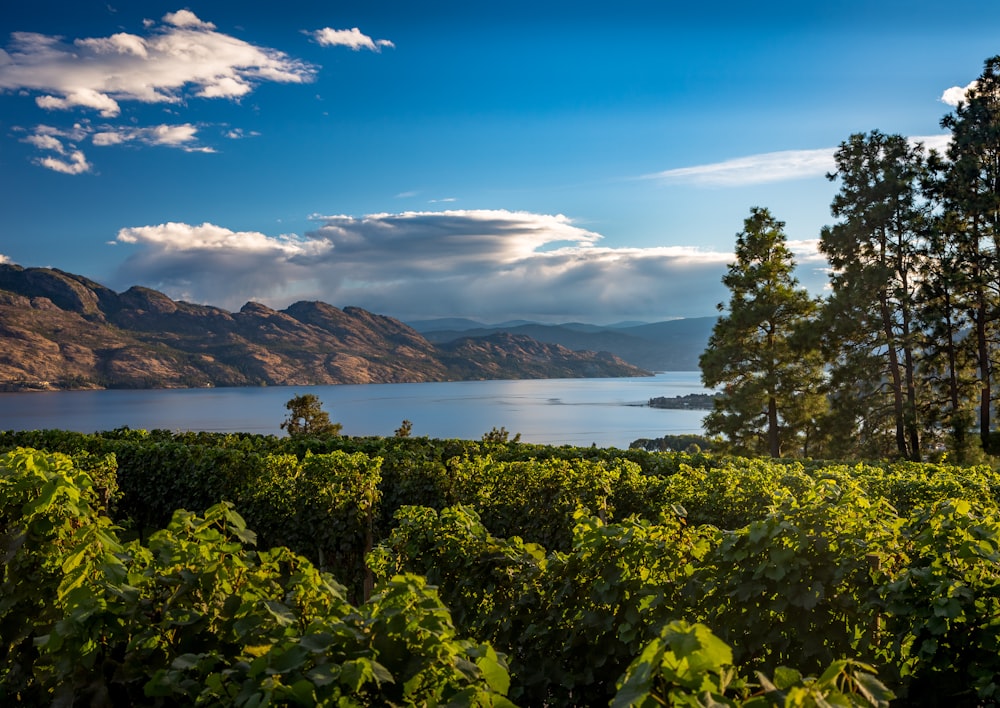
[795, 587]
[306, 418]
[687, 665]
[499, 435]
[676, 443]
[324, 506]
[535, 499]
[570, 622]
[569, 561]
[195, 617]
[942, 611]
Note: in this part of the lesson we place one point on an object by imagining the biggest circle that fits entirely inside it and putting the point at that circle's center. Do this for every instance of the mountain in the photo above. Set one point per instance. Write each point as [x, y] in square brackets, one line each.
[60, 330]
[674, 345]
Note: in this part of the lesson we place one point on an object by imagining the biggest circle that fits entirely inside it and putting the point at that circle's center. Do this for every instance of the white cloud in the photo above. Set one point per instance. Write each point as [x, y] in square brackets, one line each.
[5, 259]
[956, 94]
[933, 142]
[180, 57]
[352, 38]
[179, 136]
[184, 260]
[67, 158]
[46, 142]
[479, 263]
[178, 237]
[84, 98]
[186, 18]
[70, 159]
[75, 133]
[100, 72]
[771, 166]
[755, 169]
[75, 163]
[805, 250]
[121, 43]
[239, 134]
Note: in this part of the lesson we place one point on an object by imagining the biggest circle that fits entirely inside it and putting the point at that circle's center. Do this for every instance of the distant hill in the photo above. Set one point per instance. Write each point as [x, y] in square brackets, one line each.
[674, 345]
[59, 330]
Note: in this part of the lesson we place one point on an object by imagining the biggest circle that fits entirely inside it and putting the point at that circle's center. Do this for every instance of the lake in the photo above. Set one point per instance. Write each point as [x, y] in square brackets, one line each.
[607, 412]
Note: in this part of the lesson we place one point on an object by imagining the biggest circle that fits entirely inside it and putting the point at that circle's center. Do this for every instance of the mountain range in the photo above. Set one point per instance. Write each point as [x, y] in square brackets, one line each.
[673, 345]
[63, 331]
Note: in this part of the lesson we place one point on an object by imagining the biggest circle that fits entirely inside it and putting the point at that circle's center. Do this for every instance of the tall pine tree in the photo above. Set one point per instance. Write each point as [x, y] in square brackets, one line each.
[771, 382]
[872, 326]
[969, 190]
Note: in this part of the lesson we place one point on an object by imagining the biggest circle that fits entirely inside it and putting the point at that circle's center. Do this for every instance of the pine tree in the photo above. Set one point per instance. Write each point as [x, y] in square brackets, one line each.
[306, 417]
[871, 316]
[771, 381]
[970, 193]
[948, 352]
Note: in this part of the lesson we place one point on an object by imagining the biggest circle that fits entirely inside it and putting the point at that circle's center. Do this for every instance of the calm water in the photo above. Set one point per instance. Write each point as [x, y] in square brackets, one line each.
[608, 412]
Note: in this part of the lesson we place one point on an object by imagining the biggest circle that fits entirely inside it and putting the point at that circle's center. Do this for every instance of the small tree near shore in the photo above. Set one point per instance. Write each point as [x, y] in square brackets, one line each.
[306, 417]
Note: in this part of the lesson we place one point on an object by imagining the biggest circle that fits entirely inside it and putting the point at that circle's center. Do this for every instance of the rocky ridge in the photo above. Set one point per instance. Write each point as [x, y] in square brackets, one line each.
[63, 331]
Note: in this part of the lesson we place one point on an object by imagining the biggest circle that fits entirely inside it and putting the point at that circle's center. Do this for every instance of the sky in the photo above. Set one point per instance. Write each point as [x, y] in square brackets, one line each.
[550, 161]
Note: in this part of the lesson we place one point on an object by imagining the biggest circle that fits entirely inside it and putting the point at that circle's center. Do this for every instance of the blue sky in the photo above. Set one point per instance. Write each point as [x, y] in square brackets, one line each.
[555, 161]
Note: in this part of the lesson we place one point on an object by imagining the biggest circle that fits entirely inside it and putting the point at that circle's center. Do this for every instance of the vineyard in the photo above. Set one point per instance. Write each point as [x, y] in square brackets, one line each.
[158, 568]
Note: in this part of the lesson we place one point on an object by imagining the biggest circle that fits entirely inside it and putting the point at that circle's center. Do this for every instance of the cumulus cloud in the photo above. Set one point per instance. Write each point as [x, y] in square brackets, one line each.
[352, 38]
[182, 54]
[83, 98]
[74, 162]
[957, 94]
[46, 142]
[175, 59]
[5, 259]
[771, 166]
[208, 238]
[186, 18]
[67, 156]
[61, 145]
[477, 263]
[184, 260]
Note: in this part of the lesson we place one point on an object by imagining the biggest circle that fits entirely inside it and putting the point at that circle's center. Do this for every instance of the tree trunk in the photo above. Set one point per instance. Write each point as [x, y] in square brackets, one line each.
[894, 378]
[773, 440]
[957, 426]
[911, 390]
[985, 373]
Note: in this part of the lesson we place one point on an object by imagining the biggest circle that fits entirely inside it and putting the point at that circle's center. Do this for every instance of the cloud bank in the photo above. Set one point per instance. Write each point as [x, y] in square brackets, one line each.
[770, 166]
[180, 58]
[484, 264]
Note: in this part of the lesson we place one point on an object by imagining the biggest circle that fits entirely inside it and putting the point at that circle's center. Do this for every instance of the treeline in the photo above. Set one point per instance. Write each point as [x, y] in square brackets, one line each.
[899, 360]
[557, 575]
